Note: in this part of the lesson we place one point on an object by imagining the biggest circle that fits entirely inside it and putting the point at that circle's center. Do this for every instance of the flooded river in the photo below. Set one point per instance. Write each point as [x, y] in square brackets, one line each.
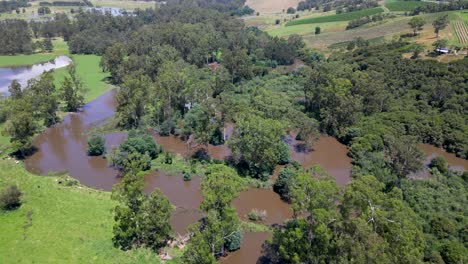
[455, 163]
[24, 73]
[250, 251]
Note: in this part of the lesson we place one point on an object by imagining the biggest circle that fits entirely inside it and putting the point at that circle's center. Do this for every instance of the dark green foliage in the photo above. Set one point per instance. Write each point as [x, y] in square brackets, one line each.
[135, 153]
[43, 10]
[7, 6]
[15, 37]
[141, 220]
[219, 230]
[440, 164]
[48, 46]
[318, 30]
[141, 143]
[72, 91]
[283, 181]
[96, 145]
[256, 144]
[440, 203]
[187, 176]
[10, 198]
[284, 155]
[234, 242]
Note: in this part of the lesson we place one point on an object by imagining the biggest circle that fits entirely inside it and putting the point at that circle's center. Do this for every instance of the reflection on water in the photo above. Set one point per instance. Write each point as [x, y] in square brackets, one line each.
[24, 73]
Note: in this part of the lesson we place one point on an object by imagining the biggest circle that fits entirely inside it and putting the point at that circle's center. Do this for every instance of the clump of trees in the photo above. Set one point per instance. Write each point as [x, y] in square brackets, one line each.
[10, 197]
[96, 146]
[72, 90]
[257, 146]
[416, 23]
[27, 108]
[141, 220]
[219, 231]
[139, 148]
[15, 37]
[368, 225]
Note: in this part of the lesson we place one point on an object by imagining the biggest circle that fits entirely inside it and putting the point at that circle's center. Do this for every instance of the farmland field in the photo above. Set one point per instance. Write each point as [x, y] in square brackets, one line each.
[338, 17]
[404, 6]
[461, 29]
[271, 6]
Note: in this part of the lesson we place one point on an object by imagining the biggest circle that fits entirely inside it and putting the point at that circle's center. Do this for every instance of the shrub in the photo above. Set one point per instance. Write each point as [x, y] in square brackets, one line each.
[257, 215]
[234, 241]
[141, 143]
[439, 163]
[284, 154]
[187, 176]
[282, 182]
[10, 198]
[96, 146]
[291, 10]
[168, 158]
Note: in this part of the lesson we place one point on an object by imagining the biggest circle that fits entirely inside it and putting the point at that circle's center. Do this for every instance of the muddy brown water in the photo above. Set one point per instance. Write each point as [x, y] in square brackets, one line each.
[250, 251]
[455, 163]
[327, 152]
[276, 210]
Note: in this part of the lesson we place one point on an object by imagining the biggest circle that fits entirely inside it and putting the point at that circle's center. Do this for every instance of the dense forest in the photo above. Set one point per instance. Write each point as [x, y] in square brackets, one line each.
[189, 68]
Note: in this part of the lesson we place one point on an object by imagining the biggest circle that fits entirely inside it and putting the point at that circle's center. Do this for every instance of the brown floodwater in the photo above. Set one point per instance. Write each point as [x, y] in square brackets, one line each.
[327, 152]
[63, 147]
[250, 251]
[185, 195]
[277, 211]
[430, 151]
[174, 144]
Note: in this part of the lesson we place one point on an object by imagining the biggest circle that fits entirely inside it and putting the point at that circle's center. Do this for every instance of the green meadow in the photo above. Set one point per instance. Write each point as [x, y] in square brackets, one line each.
[404, 6]
[338, 17]
[59, 224]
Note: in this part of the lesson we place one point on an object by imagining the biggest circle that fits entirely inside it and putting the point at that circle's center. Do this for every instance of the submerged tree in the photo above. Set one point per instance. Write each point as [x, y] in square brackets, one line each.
[219, 230]
[72, 91]
[257, 143]
[141, 220]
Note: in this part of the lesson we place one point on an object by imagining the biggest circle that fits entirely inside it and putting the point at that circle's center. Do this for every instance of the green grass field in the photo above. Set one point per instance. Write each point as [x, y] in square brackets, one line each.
[87, 68]
[304, 29]
[66, 224]
[404, 6]
[60, 48]
[338, 17]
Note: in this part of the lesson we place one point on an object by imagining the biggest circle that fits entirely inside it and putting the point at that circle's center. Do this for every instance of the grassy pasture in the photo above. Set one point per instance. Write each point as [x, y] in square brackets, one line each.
[337, 17]
[60, 48]
[59, 224]
[404, 6]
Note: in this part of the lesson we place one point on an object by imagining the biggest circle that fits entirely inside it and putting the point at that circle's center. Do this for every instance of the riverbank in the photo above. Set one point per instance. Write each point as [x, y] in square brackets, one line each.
[59, 224]
[60, 48]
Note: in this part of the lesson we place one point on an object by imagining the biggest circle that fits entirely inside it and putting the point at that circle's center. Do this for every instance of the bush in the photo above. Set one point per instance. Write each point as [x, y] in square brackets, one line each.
[234, 242]
[291, 10]
[282, 182]
[96, 146]
[257, 215]
[168, 158]
[141, 143]
[439, 163]
[10, 198]
[284, 154]
[187, 176]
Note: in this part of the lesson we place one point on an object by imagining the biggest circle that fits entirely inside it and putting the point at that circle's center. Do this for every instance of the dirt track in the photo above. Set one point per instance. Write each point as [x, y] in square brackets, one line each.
[271, 6]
